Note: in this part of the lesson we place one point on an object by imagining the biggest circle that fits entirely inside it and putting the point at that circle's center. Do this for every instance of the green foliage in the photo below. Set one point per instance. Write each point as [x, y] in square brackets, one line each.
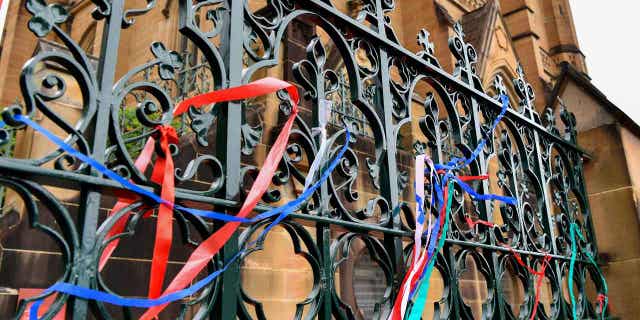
[131, 128]
[6, 149]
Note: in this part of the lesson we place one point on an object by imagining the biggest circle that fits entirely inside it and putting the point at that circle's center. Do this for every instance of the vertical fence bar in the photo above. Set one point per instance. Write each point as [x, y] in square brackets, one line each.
[90, 198]
[228, 147]
[548, 211]
[485, 206]
[323, 230]
[389, 166]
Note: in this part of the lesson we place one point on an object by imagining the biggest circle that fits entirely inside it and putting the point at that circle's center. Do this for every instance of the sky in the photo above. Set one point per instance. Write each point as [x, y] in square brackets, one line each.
[4, 6]
[609, 36]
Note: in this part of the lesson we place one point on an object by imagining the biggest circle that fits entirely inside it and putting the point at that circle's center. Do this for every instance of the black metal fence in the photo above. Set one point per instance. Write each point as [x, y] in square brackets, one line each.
[391, 89]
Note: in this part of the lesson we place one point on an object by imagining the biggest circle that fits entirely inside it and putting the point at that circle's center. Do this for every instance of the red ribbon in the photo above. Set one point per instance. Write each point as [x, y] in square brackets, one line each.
[203, 254]
[472, 223]
[467, 178]
[539, 274]
[163, 171]
[600, 300]
[163, 175]
[141, 164]
[473, 178]
[545, 263]
[396, 312]
[469, 221]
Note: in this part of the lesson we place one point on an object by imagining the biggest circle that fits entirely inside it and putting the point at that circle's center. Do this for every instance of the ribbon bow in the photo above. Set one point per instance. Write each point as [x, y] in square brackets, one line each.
[163, 175]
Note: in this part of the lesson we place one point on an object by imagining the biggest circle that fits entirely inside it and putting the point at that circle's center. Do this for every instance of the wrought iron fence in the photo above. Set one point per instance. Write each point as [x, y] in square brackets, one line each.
[6, 150]
[390, 87]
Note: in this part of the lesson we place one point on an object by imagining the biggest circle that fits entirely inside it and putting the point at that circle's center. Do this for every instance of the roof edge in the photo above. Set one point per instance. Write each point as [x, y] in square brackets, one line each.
[570, 72]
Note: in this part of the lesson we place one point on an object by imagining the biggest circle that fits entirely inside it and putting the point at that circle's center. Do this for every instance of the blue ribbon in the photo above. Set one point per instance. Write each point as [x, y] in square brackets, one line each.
[133, 187]
[477, 196]
[421, 214]
[90, 294]
[457, 163]
[283, 211]
[430, 249]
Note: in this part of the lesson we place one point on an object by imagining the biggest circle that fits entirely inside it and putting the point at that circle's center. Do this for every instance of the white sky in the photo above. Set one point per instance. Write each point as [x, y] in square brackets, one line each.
[609, 36]
[4, 6]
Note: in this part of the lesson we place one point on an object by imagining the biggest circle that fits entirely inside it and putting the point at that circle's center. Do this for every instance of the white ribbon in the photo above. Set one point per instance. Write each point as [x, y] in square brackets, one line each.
[324, 112]
[418, 253]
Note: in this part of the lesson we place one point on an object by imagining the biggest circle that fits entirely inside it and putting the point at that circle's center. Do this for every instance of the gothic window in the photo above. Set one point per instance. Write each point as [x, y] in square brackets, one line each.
[343, 110]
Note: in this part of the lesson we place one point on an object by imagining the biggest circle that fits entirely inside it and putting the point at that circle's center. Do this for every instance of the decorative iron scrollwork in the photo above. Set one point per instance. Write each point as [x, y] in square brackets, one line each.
[353, 59]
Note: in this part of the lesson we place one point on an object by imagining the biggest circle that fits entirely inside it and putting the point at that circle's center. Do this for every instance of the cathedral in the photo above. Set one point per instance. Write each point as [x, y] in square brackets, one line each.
[525, 49]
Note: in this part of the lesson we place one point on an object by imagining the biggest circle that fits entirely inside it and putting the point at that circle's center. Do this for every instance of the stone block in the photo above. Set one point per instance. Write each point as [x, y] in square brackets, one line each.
[277, 253]
[8, 304]
[631, 144]
[131, 277]
[277, 309]
[23, 237]
[624, 285]
[616, 224]
[606, 148]
[277, 284]
[30, 269]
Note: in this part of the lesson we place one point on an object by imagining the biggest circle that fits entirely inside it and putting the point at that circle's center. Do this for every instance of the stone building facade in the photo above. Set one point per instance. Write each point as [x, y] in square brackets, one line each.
[539, 35]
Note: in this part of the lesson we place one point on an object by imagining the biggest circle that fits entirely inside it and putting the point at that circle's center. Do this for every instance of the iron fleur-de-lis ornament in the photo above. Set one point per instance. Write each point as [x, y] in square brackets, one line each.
[466, 57]
[428, 49]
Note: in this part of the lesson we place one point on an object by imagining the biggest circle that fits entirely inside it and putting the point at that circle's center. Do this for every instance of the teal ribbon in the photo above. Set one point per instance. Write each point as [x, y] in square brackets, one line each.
[572, 264]
[423, 288]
